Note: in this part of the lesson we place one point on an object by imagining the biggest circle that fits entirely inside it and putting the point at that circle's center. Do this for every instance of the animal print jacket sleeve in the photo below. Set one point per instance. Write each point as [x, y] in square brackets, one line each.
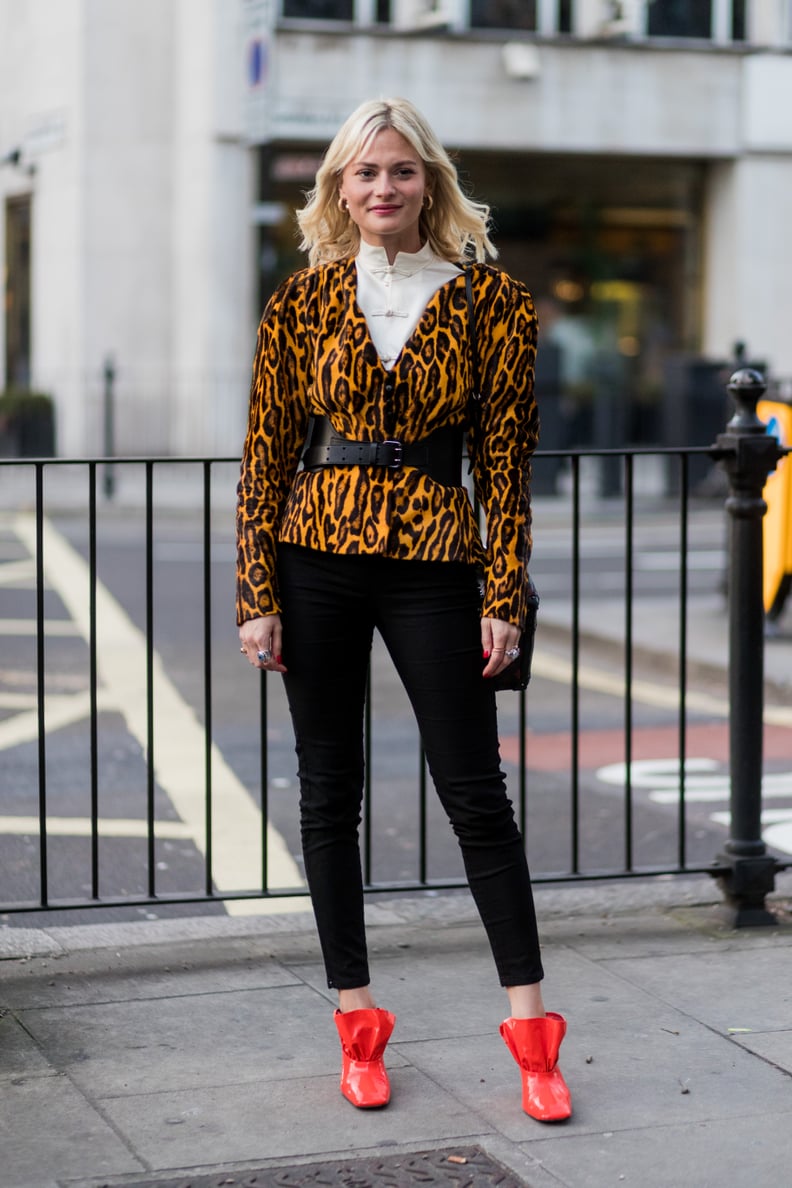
[314, 355]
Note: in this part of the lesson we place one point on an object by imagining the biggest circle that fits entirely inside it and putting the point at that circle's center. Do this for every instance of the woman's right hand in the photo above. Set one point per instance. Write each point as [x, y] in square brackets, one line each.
[262, 642]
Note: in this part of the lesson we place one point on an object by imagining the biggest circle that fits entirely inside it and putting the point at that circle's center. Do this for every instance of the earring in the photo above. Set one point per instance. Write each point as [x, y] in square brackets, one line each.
[342, 204]
[428, 201]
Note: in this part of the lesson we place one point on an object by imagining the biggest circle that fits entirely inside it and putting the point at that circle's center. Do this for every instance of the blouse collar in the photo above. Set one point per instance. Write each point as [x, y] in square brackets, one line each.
[375, 260]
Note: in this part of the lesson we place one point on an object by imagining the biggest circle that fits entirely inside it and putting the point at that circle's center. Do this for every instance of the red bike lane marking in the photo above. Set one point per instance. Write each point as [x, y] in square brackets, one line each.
[596, 748]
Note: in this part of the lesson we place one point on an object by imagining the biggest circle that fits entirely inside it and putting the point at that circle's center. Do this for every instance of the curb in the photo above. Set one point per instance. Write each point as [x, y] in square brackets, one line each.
[653, 895]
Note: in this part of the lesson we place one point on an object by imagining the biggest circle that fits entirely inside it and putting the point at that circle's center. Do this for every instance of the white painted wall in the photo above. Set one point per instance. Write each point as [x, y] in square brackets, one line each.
[41, 112]
[127, 194]
[747, 288]
[131, 111]
[584, 98]
[748, 258]
[211, 235]
[770, 22]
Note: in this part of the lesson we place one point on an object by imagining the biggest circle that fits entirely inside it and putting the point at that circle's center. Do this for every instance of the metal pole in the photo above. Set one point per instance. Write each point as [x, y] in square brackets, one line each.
[745, 871]
[109, 427]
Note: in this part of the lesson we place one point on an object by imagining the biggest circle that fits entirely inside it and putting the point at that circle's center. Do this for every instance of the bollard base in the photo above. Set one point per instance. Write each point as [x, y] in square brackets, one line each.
[745, 881]
[736, 915]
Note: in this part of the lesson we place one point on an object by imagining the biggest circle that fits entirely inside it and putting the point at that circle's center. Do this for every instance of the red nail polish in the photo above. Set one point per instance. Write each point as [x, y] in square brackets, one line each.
[279, 659]
[486, 655]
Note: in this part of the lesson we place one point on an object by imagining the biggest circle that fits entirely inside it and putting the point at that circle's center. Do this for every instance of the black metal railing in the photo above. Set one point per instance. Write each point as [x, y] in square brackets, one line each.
[204, 493]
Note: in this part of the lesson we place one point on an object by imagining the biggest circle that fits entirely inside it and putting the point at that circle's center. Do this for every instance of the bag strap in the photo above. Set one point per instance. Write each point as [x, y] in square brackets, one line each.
[474, 402]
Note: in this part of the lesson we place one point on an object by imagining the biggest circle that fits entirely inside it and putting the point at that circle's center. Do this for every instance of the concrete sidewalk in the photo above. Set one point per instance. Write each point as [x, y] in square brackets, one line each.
[158, 1053]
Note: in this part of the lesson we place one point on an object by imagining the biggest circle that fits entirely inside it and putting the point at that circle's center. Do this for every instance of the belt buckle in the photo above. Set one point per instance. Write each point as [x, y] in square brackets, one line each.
[397, 453]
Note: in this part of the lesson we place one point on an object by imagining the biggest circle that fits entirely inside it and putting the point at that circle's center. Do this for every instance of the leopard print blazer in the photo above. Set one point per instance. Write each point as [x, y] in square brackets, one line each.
[315, 356]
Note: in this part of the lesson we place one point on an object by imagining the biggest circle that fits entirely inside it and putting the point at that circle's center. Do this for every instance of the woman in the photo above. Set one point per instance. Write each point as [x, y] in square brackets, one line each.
[372, 344]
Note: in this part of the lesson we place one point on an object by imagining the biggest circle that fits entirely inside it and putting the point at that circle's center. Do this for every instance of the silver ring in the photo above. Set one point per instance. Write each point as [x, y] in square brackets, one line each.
[512, 653]
[264, 656]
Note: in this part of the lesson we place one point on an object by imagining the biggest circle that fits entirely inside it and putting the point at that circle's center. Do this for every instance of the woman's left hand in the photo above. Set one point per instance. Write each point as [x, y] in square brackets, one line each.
[498, 638]
[261, 641]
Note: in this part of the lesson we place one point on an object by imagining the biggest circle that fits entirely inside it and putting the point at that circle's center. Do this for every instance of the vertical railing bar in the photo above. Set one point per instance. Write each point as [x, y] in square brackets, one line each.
[367, 814]
[92, 680]
[263, 778]
[42, 747]
[150, 780]
[628, 659]
[683, 603]
[423, 847]
[207, 617]
[575, 683]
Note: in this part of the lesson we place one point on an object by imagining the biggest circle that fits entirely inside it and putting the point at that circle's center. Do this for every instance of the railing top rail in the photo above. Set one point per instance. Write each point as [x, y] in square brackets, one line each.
[199, 460]
[122, 459]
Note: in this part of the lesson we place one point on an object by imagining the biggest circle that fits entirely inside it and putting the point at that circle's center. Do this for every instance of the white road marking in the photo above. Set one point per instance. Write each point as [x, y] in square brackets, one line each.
[18, 701]
[28, 627]
[661, 776]
[769, 816]
[776, 827]
[107, 827]
[60, 709]
[705, 559]
[774, 787]
[705, 782]
[179, 738]
[18, 572]
[779, 836]
[555, 668]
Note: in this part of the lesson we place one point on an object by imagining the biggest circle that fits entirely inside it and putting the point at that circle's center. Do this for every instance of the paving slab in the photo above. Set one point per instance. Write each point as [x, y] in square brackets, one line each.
[73, 981]
[49, 1131]
[625, 1068]
[749, 986]
[747, 1152]
[422, 988]
[280, 1119]
[19, 1054]
[32, 942]
[773, 1046]
[233, 1037]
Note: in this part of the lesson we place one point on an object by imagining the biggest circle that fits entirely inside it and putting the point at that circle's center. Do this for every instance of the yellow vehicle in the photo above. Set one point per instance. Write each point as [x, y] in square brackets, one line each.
[777, 528]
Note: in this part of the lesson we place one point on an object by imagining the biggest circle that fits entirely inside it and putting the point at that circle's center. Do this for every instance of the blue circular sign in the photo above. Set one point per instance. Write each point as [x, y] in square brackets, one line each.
[257, 62]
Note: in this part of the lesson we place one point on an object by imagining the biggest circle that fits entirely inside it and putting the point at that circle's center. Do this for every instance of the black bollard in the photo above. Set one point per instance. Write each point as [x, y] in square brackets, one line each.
[745, 871]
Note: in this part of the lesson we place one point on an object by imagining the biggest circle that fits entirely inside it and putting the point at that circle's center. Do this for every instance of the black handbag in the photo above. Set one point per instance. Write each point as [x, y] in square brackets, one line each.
[516, 675]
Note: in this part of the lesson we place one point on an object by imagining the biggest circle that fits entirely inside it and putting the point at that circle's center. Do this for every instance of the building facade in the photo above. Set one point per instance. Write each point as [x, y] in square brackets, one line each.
[637, 157]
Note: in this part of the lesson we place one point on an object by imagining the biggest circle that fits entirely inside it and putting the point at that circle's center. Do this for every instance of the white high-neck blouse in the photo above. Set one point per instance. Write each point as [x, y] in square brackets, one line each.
[392, 297]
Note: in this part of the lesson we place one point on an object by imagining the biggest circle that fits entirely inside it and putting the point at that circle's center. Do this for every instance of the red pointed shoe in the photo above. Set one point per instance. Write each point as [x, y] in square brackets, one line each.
[364, 1035]
[534, 1044]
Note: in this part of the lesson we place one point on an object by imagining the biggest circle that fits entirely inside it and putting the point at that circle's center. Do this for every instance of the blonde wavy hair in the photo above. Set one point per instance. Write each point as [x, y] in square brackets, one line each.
[456, 227]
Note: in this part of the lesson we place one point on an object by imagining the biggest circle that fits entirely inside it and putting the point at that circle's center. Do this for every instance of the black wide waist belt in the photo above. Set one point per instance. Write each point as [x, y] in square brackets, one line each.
[439, 455]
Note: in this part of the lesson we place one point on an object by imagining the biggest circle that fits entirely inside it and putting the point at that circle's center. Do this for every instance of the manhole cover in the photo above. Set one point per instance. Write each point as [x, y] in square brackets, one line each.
[453, 1167]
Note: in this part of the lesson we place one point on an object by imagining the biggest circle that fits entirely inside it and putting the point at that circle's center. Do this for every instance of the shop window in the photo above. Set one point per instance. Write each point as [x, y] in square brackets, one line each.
[503, 14]
[680, 18]
[382, 12]
[319, 10]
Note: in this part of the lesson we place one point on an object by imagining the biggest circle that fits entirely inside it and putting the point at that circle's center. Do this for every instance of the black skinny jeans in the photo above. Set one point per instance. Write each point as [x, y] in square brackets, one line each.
[428, 613]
